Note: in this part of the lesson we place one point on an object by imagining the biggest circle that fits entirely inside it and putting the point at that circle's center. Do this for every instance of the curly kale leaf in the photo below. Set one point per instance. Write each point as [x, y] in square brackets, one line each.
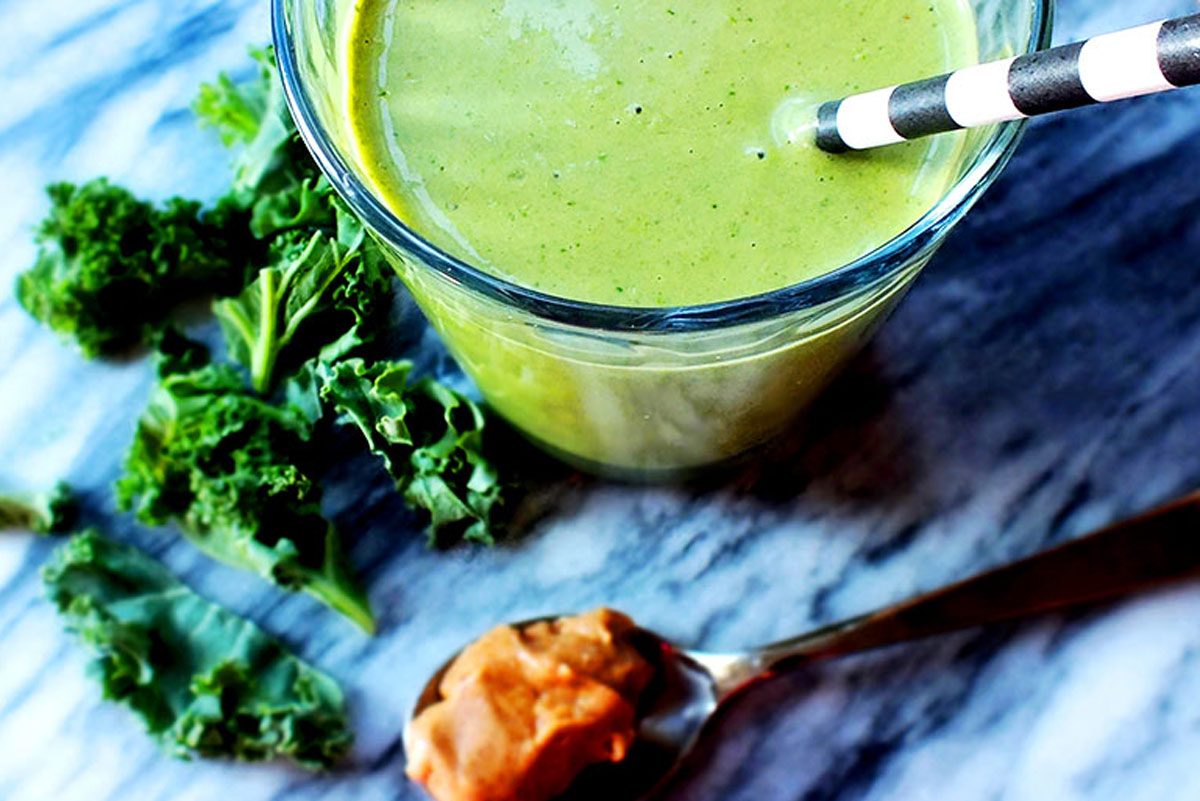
[50, 512]
[323, 294]
[308, 204]
[175, 353]
[324, 278]
[205, 682]
[237, 111]
[110, 267]
[275, 178]
[228, 468]
[430, 439]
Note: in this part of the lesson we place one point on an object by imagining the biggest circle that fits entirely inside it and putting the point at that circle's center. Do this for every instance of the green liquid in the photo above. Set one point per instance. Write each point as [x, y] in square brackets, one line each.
[622, 152]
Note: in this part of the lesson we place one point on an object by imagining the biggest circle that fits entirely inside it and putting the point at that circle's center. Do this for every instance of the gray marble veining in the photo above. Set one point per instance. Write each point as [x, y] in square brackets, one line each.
[1040, 380]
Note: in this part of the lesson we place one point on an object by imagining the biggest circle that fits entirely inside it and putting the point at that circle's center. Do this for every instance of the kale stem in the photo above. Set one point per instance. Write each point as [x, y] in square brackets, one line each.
[351, 604]
[262, 363]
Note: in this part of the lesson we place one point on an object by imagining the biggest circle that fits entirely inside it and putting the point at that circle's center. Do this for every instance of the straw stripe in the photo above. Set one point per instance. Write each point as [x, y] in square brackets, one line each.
[828, 137]
[1120, 65]
[1041, 83]
[979, 95]
[864, 122]
[1150, 58]
[1179, 50]
[920, 109]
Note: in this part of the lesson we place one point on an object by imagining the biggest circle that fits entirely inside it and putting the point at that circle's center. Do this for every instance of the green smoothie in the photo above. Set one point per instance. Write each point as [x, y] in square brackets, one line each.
[627, 153]
[623, 152]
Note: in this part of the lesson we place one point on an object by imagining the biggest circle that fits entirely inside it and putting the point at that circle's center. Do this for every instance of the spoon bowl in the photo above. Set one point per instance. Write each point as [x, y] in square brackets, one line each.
[672, 713]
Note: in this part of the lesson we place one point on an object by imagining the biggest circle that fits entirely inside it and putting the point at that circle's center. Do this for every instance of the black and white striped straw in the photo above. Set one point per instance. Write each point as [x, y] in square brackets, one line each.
[1138, 61]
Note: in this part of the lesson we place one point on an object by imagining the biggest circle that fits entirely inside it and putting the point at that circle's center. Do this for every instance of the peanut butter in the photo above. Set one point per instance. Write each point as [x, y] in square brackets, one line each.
[522, 712]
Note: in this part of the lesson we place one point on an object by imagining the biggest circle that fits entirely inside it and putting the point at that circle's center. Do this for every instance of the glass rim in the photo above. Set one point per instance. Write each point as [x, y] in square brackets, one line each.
[885, 261]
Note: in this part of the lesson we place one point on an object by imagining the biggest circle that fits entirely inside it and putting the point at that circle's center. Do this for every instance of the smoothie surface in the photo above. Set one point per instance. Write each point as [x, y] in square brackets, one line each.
[622, 152]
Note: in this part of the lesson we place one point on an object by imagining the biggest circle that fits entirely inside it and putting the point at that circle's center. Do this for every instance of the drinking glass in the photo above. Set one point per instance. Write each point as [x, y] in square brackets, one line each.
[639, 392]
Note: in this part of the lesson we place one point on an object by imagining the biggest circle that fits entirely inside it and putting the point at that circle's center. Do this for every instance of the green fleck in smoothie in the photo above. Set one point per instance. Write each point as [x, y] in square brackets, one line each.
[622, 152]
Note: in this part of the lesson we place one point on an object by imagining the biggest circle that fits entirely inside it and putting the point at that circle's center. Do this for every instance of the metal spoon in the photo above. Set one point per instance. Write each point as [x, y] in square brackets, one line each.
[1158, 547]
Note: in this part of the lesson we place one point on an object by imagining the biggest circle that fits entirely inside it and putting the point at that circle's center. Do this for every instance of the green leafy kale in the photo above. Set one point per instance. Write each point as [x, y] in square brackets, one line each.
[50, 512]
[237, 111]
[430, 439]
[323, 294]
[324, 279]
[205, 682]
[175, 353]
[228, 467]
[110, 267]
[275, 178]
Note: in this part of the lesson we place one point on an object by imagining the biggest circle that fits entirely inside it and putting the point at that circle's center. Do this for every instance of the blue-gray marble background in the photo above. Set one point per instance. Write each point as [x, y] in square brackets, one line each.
[1043, 378]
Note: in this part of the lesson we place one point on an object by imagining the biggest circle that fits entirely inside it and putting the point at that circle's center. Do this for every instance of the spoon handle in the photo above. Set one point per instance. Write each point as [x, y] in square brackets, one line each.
[1155, 548]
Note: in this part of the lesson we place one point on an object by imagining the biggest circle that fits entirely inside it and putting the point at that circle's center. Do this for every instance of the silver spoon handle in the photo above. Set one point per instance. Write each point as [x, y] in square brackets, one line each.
[1155, 548]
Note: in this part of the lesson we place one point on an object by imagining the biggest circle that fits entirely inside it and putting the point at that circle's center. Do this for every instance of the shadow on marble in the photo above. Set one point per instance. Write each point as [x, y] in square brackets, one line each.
[852, 445]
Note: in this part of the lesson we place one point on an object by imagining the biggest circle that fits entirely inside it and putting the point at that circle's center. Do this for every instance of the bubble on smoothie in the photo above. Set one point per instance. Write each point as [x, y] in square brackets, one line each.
[795, 122]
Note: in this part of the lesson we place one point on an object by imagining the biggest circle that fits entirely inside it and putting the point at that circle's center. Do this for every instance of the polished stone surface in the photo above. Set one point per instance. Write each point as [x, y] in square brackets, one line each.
[1042, 379]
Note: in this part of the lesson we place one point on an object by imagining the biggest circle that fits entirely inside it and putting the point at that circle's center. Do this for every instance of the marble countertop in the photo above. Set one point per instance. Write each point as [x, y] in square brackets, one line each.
[1042, 379]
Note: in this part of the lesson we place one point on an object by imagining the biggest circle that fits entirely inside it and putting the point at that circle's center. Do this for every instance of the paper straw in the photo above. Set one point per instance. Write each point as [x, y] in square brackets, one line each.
[1138, 61]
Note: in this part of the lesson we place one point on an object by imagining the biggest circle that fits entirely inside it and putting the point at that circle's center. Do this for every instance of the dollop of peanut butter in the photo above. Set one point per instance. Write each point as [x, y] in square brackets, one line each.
[522, 712]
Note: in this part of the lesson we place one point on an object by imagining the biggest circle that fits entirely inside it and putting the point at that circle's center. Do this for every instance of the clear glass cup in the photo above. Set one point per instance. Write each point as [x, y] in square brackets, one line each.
[640, 392]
